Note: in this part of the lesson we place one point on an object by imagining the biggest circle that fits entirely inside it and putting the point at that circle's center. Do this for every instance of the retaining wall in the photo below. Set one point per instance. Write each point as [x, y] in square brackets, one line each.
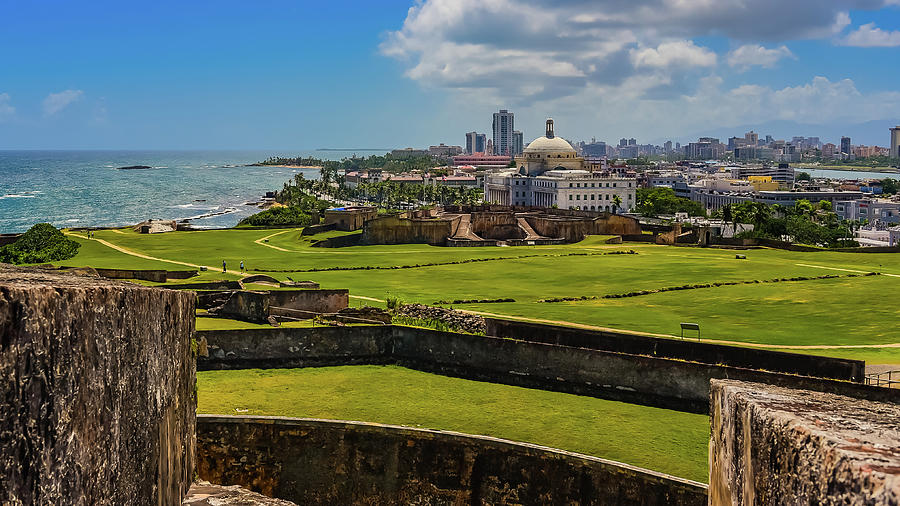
[397, 230]
[692, 350]
[655, 381]
[97, 400]
[158, 276]
[332, 462]
[293, 347]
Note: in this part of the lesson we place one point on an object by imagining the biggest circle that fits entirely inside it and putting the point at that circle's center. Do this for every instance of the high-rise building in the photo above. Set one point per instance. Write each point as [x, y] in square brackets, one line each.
[895, 142]
[632, 142]
[623, 142]
[489, 147]
[504, 125]
[518, 143]
[752, 138]
[668, 147]
[475, 142]
[845, 145]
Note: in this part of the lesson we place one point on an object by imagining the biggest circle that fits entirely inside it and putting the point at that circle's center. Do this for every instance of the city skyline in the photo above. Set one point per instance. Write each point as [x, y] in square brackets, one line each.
[171, 76]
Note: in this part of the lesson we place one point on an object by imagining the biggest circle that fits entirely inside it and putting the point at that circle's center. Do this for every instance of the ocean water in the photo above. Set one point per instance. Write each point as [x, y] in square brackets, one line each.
[84, 189]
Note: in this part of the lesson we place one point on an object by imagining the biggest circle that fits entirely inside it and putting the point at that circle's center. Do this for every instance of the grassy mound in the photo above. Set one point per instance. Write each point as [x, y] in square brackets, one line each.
[42, 243]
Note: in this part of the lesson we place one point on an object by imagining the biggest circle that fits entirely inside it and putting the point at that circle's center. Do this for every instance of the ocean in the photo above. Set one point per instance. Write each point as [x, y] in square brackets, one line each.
[84, 189]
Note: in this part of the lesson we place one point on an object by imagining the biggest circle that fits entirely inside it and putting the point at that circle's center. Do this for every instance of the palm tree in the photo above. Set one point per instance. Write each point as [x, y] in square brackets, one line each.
[617, 202]
[727, 215]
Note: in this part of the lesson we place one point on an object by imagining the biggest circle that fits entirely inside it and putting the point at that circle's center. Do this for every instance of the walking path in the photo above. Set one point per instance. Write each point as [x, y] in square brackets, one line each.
[262, 240]
[146, 257]
[845, 270]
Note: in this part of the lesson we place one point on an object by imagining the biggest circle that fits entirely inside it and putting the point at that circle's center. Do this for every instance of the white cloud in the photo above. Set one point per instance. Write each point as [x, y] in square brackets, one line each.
[56, 102]
[668, 54]
[869, 35]
[6, 109]
[538, 49]
[750, 55]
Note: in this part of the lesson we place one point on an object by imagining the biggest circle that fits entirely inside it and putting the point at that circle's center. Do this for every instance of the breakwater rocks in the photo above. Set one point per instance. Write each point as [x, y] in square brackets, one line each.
[462, 320]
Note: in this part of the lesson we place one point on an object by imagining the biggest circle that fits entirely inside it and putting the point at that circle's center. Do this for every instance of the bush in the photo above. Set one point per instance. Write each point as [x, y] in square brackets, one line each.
[42, 243]
[280, 216]
[393, 302]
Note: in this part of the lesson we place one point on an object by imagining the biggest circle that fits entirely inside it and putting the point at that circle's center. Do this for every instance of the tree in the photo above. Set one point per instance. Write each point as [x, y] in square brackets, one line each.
[803, 207]
[803, 176]
[727, 215]
[617, 203]
[889, 186]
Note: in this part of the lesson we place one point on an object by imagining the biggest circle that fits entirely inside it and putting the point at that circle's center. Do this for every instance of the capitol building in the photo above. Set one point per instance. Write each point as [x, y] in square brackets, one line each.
[550, 173]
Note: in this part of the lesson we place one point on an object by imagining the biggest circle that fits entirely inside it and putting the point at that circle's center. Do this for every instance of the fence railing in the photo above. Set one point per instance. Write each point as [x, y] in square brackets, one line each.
[888, 379]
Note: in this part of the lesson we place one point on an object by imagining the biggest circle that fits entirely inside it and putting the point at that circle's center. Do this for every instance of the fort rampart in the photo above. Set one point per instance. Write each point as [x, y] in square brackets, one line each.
[673, 383]
[333, 462]
[97, 393]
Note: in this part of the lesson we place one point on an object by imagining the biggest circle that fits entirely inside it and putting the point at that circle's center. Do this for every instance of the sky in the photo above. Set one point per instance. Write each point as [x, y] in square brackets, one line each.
[300, 75]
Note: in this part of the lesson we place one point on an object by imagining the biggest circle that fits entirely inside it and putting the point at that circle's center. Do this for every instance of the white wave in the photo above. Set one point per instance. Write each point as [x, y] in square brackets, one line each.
[17, 196]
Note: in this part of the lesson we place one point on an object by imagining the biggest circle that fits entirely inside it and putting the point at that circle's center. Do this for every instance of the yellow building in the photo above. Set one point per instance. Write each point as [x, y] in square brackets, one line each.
[763, 183]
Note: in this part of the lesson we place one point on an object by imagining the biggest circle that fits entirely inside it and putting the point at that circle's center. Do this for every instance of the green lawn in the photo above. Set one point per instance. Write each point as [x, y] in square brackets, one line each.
[846, 311]
[663, 440]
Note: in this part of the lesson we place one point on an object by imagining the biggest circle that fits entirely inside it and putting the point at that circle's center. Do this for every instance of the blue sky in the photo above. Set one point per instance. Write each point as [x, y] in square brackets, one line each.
[306, 75]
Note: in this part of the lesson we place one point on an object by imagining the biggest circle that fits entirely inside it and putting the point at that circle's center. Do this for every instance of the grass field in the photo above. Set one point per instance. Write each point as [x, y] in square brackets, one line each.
[659, 439]
[856, 312]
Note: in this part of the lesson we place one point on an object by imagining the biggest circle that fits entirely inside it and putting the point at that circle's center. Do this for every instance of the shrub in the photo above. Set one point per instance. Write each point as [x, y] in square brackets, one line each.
[42, 243]
[393, 302]
[280, 216]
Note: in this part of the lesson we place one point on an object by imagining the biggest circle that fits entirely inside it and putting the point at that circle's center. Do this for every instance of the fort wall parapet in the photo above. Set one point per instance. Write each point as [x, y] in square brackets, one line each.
[674, 383]
[98, 391]
[335, 462]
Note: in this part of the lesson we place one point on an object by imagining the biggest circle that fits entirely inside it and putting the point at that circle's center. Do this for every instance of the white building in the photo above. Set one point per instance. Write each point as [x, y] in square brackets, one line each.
[550, 173]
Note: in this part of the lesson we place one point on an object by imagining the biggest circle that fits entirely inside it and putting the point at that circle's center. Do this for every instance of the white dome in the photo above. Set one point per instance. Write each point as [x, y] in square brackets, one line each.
[549, 145]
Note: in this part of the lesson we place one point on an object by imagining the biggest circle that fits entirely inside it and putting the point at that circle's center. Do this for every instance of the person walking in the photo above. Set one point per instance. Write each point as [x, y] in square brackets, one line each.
[242, 266]
[223, 266]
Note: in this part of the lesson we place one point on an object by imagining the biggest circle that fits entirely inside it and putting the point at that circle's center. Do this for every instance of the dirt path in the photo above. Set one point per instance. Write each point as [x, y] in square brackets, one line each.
[262, 240]
[127, 251]
[845, 270]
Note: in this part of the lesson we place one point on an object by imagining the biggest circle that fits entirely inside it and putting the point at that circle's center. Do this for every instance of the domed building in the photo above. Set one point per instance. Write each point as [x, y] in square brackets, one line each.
[549, 153]
[550, 173]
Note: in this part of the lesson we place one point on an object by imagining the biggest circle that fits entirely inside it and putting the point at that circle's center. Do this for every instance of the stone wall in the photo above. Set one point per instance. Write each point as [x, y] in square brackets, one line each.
[397, 230]
[690, 350]
[256, 306]
[774, 445]
[158, 276]
[499, 226]
[97, 399]
[317, 301]
[330, 462]
[295, 347]
[654, 381]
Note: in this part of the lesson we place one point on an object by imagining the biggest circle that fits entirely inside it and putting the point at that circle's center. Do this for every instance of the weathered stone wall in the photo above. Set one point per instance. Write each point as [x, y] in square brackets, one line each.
[774, 445]
[317, 301]
[397, 230]
[570, 229]
[330, 462]
[498, 226]
[655, 381]
[295, 347]
[256, 306]
[616, 224]
[158, 276]
[97, 398]
[690, 350]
